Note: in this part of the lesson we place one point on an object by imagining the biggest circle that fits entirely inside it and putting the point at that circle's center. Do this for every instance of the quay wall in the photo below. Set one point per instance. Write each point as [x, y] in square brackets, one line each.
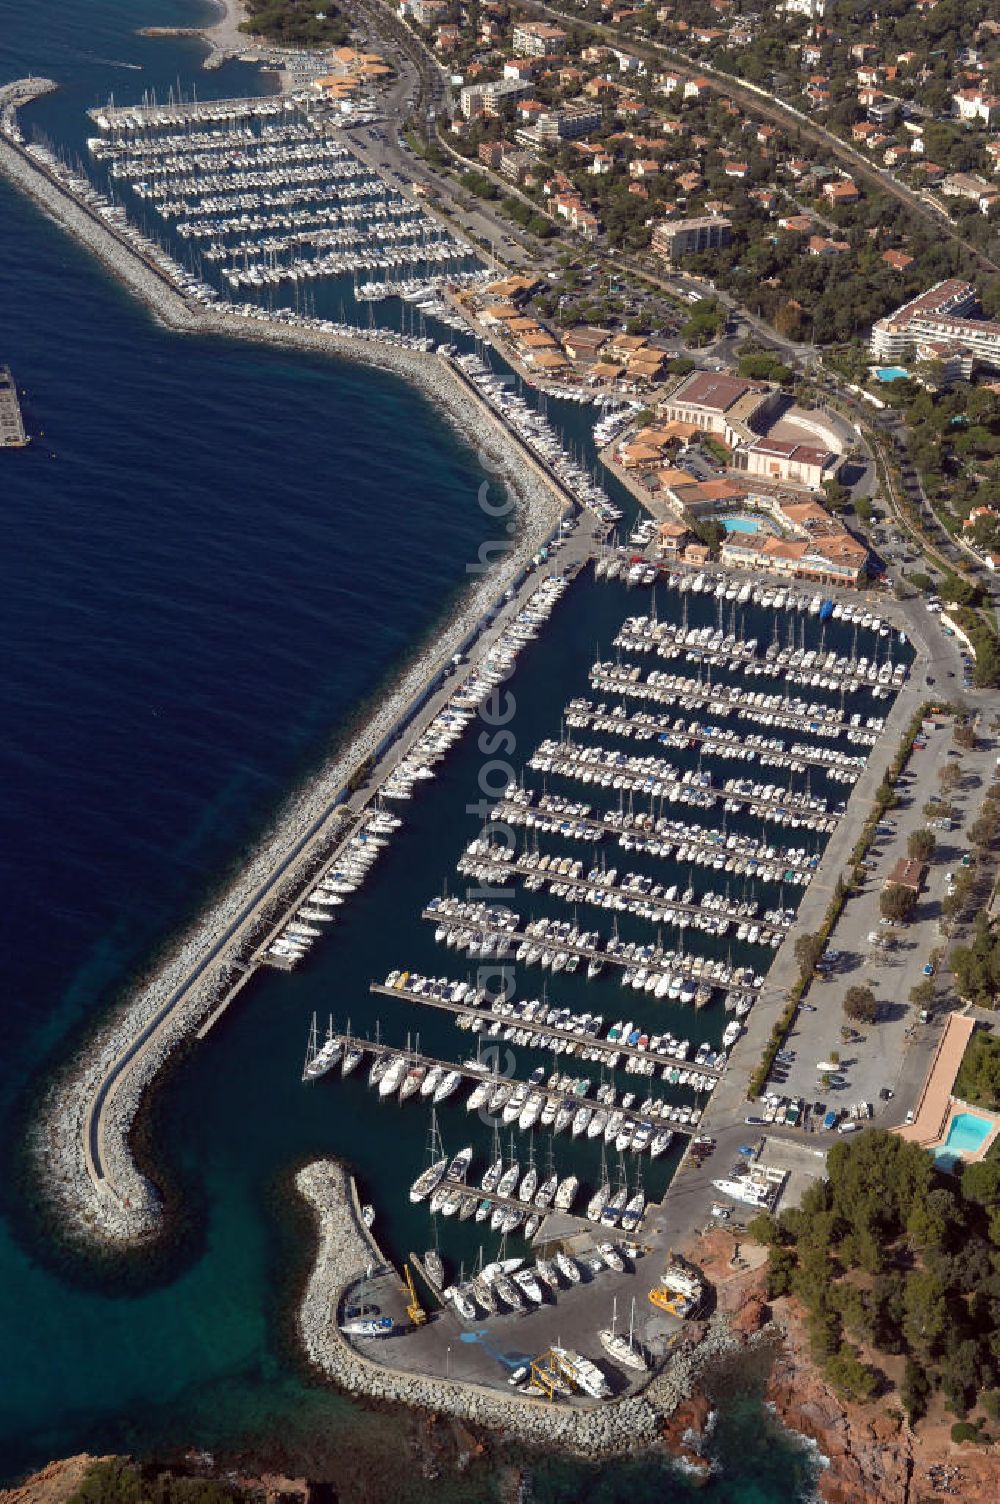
[81, 1138]
[591, 1430]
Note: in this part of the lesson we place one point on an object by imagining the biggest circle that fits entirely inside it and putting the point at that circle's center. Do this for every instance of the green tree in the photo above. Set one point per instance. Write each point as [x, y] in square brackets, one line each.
[860, 1004]
[949, 777]
[896, 902]
[780, 1271]
[764, 1229]
[808, 949]
[850, 1377]
[933, 1222]
[978, 1078]
[914, 1391]
[920, 845]
[925, 1318]
[981, 1181]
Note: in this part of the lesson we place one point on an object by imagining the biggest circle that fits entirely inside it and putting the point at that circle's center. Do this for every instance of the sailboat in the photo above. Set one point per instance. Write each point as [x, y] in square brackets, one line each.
[323, 1059]
[431, 1178]
[623, 1349]
[601, 1197]
[353, 1054]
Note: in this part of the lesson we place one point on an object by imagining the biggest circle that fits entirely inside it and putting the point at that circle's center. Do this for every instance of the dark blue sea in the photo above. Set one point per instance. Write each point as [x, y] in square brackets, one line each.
[212, 557]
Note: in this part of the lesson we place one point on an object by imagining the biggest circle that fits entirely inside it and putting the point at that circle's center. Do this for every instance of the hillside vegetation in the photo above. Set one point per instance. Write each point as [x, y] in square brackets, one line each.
[296, 23]
[891, 1254]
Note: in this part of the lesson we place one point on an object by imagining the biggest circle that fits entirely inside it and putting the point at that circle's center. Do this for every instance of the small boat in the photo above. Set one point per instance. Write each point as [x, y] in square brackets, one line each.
[566, 1193]
[463, 1305]
[568, 1267]
[623, 1350]
[369, 1326]
[390, 1082]
[353, 1057]
[545, 1194]
[427, 1181]
[448, 1084]
[526, 1281]
[597, 1203]
[435, 1268]
[484, 1295]
[459, 1167]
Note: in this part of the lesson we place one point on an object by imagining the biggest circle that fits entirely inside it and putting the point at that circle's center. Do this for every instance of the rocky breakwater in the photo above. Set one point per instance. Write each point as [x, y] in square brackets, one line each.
[81, 1140]
[344, 1254]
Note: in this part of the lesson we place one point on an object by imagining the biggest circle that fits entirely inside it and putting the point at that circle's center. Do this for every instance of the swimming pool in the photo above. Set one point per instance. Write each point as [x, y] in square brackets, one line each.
[740, 524]
[966, 1135]
[891, 373]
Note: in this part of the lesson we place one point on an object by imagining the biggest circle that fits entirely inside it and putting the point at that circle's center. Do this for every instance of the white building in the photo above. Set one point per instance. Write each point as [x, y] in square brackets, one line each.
[938, 316]
[975, 106]
[489, 98]
[538, 39]
[814, 9]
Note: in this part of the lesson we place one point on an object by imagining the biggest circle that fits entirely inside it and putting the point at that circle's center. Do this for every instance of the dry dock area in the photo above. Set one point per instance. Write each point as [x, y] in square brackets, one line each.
[438, 1368]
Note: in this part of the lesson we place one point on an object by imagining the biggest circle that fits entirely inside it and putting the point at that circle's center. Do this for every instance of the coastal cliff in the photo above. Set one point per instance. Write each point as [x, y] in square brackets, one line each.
[870, 1454]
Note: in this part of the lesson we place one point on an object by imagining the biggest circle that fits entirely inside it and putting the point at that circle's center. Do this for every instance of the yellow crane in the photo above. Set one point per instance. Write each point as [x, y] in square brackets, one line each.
[414, 1309]
[543, 1373]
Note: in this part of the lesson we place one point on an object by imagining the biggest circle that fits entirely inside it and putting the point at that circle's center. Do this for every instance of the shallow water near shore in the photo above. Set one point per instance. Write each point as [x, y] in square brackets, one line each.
[211, 557]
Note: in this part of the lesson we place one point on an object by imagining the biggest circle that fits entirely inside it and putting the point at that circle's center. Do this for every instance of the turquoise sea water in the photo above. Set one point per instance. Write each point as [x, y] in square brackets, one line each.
[211, 557]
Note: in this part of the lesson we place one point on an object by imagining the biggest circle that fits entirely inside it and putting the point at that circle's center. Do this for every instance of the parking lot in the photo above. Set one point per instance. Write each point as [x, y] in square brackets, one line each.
[891, 960]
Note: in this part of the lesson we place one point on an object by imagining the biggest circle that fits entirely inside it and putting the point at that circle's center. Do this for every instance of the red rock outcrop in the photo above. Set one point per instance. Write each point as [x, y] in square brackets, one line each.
[54, 1484]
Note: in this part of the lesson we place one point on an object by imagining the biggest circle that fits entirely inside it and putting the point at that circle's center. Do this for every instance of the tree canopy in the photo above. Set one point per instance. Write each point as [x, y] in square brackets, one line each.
[890, 1252]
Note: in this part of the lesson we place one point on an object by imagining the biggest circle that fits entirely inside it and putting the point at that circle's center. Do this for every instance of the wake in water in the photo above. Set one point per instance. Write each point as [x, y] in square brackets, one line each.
[107, 62]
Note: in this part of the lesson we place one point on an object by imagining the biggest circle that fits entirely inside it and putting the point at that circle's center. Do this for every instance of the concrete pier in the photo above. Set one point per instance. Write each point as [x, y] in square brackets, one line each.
[12, 434]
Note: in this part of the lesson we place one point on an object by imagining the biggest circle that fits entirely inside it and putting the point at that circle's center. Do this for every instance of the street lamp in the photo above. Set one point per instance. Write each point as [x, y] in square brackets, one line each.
[447, 1367]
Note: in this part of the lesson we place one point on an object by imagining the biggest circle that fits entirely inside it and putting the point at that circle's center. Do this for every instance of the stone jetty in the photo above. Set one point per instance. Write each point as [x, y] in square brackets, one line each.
[346, 1252]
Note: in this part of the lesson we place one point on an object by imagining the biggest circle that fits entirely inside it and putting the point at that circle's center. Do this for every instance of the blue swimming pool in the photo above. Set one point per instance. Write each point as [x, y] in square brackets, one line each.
[740, 524]
[967, 1132]
[891, 373]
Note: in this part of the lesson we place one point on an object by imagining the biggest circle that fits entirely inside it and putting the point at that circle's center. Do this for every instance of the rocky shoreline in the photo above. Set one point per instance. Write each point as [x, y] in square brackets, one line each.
[344, 1252]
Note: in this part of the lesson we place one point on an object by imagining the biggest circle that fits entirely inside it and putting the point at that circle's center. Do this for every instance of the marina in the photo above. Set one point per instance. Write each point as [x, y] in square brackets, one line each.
[266, 191]
[700, 882]
[690, 923]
